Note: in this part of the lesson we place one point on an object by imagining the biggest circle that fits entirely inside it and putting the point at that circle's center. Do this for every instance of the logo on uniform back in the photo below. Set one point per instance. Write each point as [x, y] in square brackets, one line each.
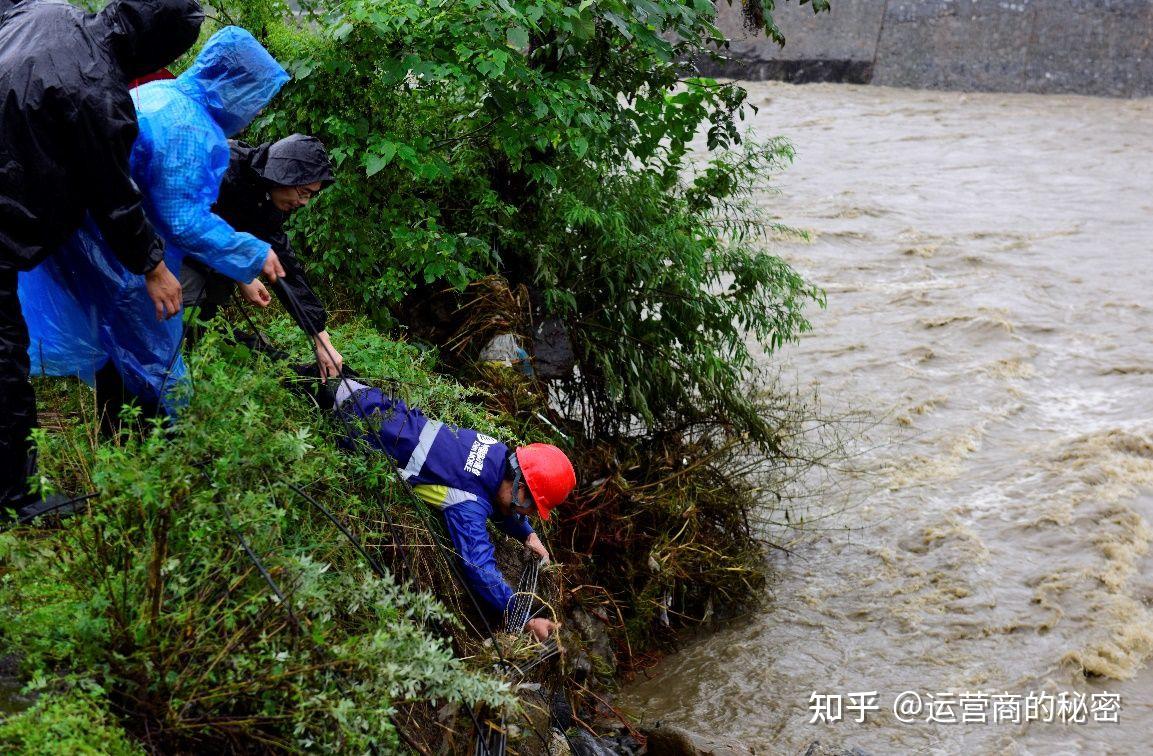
[475, 462]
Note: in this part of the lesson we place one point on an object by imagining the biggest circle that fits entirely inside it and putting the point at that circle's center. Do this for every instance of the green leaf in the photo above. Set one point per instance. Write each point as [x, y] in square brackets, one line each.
[518, 37]
[375, 162]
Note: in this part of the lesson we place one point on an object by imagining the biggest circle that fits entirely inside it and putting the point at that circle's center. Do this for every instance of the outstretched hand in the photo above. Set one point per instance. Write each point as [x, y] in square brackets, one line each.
[272, 269]
[541, 628]
[256, 293]
[329, 360]
[533, 543]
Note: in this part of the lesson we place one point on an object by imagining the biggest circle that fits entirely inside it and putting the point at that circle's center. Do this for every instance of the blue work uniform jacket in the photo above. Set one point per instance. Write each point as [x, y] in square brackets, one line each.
[458, 471]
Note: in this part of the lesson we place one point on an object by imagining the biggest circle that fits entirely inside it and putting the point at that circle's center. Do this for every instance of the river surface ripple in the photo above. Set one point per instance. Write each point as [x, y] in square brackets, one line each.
[987, 259]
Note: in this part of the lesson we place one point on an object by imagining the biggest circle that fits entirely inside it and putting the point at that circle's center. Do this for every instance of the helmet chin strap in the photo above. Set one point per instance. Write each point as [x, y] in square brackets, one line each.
[518, 486]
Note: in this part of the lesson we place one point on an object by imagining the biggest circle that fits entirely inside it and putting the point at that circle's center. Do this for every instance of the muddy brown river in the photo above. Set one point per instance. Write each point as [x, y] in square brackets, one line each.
[989, 265]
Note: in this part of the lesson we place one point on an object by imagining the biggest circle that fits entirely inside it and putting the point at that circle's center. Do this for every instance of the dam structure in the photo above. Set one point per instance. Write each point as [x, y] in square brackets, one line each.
[1090, 47]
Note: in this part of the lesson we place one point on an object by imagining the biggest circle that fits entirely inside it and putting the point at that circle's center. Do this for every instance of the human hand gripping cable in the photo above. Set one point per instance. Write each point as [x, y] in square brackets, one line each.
[541, 628]
[534, 544]
[329, 360]
[272, 269]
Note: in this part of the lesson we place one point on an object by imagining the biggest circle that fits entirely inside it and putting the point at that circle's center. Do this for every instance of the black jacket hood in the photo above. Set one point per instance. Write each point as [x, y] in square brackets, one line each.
[67, 122]
[293, 161]
[146, 35]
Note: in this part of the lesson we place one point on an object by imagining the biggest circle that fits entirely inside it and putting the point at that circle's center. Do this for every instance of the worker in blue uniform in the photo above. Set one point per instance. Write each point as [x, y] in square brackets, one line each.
[471, 478]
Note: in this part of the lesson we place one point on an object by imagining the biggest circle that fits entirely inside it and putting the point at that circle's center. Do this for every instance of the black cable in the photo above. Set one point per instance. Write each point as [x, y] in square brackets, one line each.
[373, 748]
[376, 568]
[264, 573]
[301, 316]
[250, 553]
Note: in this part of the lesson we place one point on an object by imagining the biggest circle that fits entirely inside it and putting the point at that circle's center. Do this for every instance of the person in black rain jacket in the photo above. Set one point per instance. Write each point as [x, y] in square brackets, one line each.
[67, 126]
[264, 185]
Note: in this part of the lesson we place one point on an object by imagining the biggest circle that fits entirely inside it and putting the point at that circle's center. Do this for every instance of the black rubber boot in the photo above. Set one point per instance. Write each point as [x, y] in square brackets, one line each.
[52, 507]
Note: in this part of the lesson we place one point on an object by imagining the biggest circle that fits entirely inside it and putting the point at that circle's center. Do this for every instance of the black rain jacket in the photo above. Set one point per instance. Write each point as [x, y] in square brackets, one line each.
[244, 202]
[67, 123]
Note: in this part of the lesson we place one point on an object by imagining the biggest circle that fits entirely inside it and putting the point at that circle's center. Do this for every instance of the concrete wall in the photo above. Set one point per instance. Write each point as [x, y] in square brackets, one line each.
[1102, 47]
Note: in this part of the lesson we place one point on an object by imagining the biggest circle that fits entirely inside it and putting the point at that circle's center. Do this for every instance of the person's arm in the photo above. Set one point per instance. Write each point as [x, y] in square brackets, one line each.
[520, 529]
[103, 133]
[469, 535]
[514, 527]
[182, 188]
[536, 546]
[301, 302]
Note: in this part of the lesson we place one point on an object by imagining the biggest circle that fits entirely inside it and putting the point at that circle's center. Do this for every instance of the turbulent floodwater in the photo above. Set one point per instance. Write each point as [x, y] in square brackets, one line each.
[989, 265]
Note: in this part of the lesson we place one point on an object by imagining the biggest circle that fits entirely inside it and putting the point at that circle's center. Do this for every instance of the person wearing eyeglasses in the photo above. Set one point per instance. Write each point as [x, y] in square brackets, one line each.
[263, 187]
[88, 314]
[472, 478]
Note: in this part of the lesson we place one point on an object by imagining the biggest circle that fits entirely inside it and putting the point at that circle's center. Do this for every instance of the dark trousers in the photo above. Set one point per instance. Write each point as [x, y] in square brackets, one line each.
[17, 400]
[111, 398]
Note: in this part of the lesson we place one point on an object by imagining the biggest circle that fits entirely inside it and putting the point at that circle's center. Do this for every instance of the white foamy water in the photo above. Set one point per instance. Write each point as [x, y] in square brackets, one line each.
[989, 264]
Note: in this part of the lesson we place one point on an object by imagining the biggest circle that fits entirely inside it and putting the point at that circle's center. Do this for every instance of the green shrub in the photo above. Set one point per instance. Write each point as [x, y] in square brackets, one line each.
[567, 150]
[209, 601]
[550, 142]
[74, 723]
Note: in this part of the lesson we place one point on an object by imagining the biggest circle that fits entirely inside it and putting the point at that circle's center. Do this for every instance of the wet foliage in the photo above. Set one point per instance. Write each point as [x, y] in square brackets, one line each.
[567, 147]
[210, 603]
[506, 164]
[511, 162]
[75, 722]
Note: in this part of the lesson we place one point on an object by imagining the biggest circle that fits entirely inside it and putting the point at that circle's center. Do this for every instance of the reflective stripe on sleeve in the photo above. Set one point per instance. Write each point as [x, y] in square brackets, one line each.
[441, 496]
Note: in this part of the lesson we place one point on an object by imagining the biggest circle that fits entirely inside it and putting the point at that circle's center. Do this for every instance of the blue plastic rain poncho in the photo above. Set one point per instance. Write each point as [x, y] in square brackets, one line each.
[82, 306]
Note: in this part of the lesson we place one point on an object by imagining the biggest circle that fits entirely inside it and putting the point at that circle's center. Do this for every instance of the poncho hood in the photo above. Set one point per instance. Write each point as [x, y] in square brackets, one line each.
[235, 78]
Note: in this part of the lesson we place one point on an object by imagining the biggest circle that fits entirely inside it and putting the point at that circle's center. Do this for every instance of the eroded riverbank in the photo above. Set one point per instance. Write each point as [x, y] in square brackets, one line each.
[986, 263]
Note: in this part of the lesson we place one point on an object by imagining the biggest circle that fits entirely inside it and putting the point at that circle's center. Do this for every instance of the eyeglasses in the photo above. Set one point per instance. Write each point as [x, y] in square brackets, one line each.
[304, 194]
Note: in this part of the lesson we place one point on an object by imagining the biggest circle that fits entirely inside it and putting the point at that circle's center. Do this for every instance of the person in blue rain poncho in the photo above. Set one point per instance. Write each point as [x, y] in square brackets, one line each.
[86, 312]
[67, 126]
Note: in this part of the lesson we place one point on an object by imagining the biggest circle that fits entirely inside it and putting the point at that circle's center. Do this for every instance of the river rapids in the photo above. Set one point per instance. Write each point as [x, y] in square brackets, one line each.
[988, 260]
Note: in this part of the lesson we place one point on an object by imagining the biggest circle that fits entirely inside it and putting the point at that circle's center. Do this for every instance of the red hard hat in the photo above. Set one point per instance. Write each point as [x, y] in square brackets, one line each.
[548, 474]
